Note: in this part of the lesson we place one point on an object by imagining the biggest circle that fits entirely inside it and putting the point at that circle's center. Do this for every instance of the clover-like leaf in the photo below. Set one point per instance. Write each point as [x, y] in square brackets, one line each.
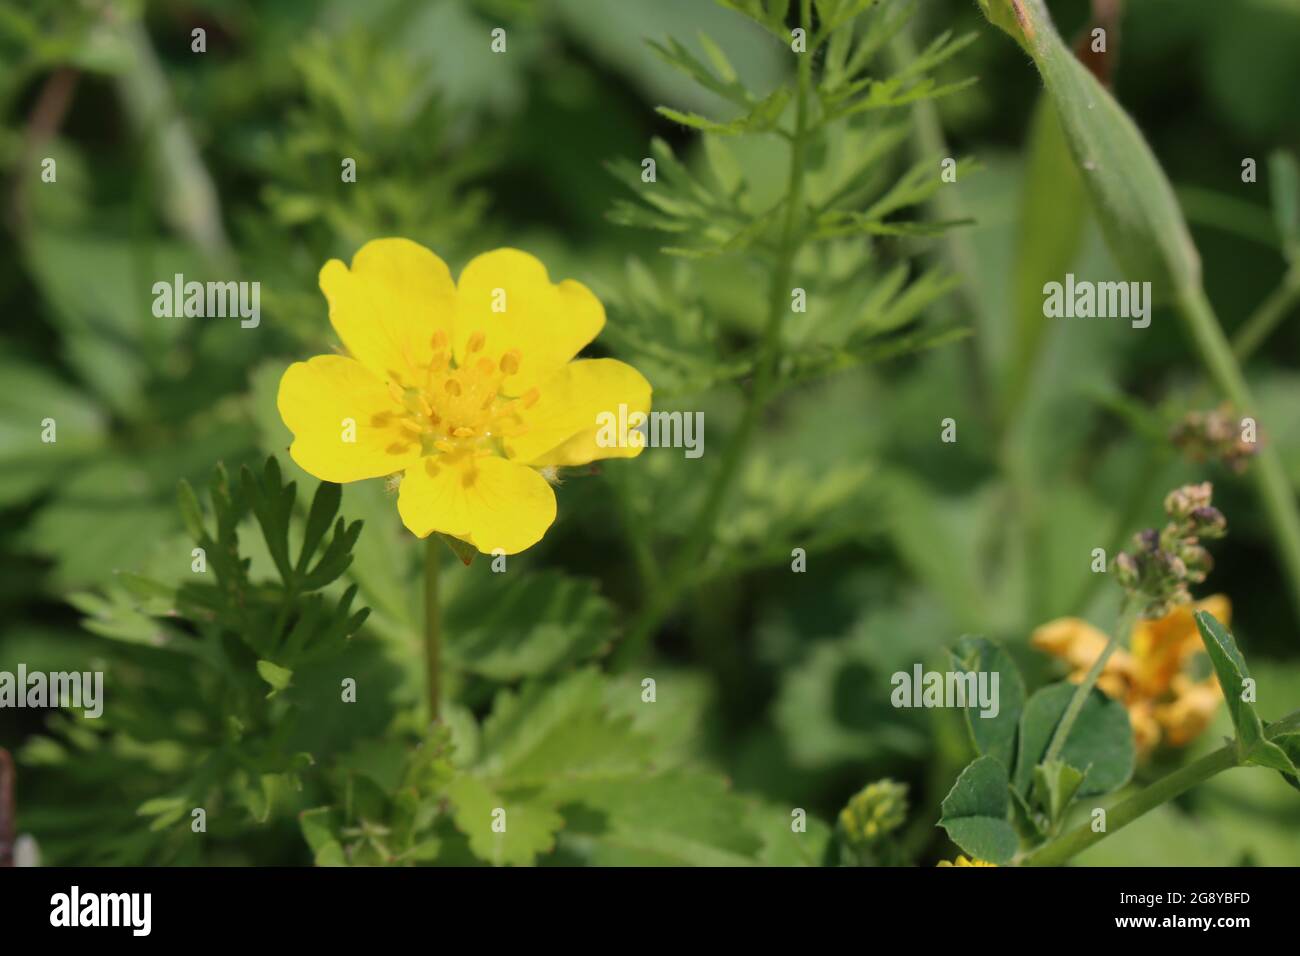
[1100, 742]
[975, 812]
[994, 735]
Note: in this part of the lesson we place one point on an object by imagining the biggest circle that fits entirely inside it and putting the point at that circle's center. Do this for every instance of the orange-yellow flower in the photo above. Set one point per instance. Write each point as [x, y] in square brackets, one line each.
[468, 388]
[1154, 678]
[962, 861]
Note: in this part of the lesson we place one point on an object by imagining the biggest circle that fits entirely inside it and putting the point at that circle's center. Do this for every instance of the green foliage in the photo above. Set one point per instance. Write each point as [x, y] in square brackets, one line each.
[923, 302]
[992, 736]
[975, 812]
[224, 669]
[1238, 690]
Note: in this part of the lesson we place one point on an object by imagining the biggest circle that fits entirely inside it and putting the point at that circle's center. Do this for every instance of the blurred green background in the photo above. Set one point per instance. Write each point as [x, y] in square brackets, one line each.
[226, 163]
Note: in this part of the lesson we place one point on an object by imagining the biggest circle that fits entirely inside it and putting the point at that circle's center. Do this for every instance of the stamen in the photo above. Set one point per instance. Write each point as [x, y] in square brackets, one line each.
[510, 361]
[476, 341]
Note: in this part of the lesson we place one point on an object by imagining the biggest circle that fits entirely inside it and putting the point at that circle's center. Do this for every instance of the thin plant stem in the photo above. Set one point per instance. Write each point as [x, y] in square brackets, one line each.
[1069, 845]
[1270, 477]
[432, 627]
[1166, 788]
[680, 572]
[1268, 316]
[1062, 732]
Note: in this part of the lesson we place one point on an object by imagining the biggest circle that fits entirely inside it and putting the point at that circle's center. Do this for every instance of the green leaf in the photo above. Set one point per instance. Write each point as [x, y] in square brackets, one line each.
[1055, 785]
[318, 827]
[191, 512]
[1100, 742]
[683, 818]
[1053, 217]
[1230, 668]
[994, 736]
[975, 812]
[278, 677]
[324, 506]
[1132, 197]
[502, 831]
[30, 396]
[506, 626]
[1290, 745]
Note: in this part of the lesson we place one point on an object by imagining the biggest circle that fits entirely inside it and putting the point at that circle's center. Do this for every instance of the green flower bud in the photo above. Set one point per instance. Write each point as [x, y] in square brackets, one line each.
[873, 812]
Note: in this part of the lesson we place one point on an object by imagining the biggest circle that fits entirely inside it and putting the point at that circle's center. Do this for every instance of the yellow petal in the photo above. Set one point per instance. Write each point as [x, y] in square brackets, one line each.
[508, 296]
[389, 305]
[331, 399]
[489, 502]
[584, 412]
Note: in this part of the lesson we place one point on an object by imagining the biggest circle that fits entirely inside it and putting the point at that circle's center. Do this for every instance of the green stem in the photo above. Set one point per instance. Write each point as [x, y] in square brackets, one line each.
[683, 569]
[1270, 478]
[1062, 732]
[1266, 318]
[432, 627]
[1071, 844]
[1166, 788]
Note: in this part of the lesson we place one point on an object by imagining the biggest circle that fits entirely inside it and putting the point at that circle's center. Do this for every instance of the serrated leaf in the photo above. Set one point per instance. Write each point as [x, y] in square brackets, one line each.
[507, 627]
[502, 831]
[676, 819]
[975, 812]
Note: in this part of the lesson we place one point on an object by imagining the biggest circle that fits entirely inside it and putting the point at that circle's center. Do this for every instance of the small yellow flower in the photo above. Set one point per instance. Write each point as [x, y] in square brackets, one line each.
[469, 389]
[962, 861]
[1152, 679]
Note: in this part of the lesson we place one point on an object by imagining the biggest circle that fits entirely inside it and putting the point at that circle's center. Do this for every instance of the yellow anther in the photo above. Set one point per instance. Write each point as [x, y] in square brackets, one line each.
[444, 446]
[476, 341]
[452, 386]
[462, 432]
[439, 340]
[531, 396]
[510, 362]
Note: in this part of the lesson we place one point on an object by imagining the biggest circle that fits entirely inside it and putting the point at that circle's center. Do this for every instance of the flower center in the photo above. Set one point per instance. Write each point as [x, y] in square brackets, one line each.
[459, 407]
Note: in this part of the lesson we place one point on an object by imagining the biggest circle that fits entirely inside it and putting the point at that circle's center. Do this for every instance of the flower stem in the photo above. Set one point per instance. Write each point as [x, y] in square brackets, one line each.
[685, 566]
[1266, 318]
[1166, 788]
[1065, 847]
[1270, 478]
[1062, 732]
[432, 627]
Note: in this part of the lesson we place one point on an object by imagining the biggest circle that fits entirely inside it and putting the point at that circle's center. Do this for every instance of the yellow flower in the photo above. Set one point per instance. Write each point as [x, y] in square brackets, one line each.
[1152, 678]
[468, 388]
[962, 861]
